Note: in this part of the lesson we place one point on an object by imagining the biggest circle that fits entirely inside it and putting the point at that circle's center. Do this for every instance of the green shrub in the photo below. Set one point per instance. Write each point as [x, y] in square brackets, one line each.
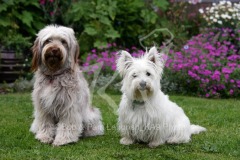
[19, 22]
[99, 22]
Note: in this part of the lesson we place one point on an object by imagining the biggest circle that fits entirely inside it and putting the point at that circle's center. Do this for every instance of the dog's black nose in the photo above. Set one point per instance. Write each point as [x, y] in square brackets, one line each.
[143, 84]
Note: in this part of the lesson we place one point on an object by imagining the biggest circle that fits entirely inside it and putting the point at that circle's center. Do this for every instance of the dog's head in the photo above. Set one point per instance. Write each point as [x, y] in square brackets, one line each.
[141, 76]
[55, 48]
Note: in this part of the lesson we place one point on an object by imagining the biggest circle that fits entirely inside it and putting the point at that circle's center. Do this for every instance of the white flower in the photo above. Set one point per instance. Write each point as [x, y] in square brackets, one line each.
[231, 10]
[222, 2]
[222, 7]
[219, 22]
[214, 20]
[201, 10]
[223, 16]
[229, 17]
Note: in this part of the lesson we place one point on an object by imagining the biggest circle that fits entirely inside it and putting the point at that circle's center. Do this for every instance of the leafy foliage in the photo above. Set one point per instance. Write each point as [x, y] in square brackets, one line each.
[100, 22]
[21, 19]
[54, 10]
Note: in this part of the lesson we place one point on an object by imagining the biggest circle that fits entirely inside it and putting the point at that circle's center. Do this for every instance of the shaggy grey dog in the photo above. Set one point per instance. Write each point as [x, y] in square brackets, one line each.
[62, 109]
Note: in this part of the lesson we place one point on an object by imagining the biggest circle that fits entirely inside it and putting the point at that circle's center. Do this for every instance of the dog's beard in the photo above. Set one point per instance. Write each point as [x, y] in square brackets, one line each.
[142, 94]
[54, 57]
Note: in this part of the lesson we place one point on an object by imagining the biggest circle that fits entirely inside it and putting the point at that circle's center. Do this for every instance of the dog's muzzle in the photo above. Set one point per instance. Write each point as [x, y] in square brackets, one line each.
[142, 85]
[53, 57]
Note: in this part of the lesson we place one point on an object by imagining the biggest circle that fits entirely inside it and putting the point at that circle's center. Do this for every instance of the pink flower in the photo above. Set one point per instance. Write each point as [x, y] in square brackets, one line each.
[42, 2]
[51, 13]
[226, 70]
[195, 67]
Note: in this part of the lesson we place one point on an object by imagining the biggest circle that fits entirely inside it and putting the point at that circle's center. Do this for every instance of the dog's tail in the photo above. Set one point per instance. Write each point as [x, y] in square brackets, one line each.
[196, 129]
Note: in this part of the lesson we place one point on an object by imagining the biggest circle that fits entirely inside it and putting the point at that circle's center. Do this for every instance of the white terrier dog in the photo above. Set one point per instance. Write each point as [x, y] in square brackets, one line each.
[145, 113]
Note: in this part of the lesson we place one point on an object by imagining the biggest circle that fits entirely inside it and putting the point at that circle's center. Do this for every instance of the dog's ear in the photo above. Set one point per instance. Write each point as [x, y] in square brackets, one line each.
[36, 55]
[156, 58]
[124, 61]
[77, 50]
[152, 55]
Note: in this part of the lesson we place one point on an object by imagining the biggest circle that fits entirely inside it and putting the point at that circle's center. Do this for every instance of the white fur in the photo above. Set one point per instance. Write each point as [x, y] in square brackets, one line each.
[158, 120]
[62, 110]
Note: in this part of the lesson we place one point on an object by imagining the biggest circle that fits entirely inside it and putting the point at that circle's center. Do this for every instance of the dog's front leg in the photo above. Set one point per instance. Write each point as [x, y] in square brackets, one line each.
[125, 131]
[69, 129]
[44, 128]
[126, 141]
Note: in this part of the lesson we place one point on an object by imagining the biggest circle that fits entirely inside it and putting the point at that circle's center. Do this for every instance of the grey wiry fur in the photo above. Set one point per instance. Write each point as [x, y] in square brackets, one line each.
[62, 111]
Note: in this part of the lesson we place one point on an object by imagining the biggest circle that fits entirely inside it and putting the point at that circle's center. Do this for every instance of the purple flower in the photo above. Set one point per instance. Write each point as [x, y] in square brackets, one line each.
[207, 62]
[195, 67]
[42, 2]
[207, 95]
[226, 70]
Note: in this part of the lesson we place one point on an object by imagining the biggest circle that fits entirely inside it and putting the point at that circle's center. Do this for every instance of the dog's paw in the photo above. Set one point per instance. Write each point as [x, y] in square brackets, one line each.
[44, 138]
[59, 141]
[154, 144]
[178, 141]
[126, 141]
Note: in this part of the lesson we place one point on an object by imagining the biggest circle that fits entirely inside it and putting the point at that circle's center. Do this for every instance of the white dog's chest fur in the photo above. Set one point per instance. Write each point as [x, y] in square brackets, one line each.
[144, 123]
[141, 123]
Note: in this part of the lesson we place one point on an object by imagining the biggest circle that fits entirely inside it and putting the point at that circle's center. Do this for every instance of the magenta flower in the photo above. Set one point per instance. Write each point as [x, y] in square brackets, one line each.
[226, 70]
[42, 2]
[207, 95]
[211, 63]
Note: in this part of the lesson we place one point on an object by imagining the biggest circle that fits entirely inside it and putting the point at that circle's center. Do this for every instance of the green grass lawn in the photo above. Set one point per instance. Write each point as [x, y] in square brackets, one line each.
[221, 141]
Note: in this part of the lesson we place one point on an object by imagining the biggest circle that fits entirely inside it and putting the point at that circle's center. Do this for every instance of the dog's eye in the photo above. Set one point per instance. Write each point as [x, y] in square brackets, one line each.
[148, 74]
[63, 41]
[134, 75]
[47, 41]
